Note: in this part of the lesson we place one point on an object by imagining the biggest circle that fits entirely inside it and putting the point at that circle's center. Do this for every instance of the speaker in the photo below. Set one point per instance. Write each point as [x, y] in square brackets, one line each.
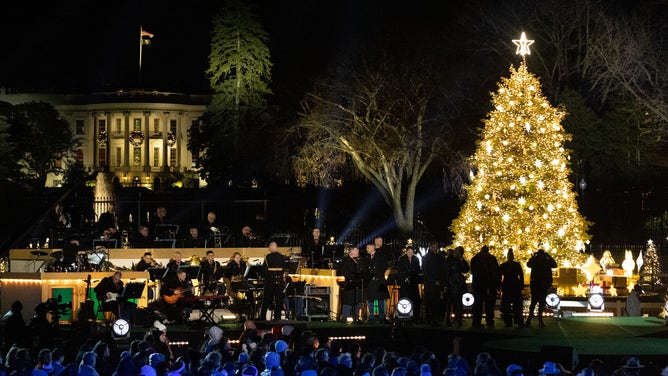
[317, 302]
[565, 355]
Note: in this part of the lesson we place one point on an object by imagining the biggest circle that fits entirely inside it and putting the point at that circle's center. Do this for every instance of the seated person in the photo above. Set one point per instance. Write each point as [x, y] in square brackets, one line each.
[146, 262]
[142, 239]
[211, 273]
[236, 268]
[108, 293]
[176, 292]
[176, 261]
[248, 238]
[193, 240]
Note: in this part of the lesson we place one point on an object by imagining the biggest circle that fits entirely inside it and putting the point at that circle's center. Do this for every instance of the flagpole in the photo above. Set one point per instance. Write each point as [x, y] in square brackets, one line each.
[141, 44]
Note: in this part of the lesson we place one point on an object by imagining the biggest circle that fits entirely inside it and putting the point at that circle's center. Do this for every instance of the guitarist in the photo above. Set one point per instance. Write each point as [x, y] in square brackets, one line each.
[108, 293]
[176, 291]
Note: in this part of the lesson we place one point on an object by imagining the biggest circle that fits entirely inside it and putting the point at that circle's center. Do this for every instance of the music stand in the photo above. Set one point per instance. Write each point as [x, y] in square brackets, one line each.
[133, 290]
[164, 243]
[166, 231]
[156, 273]
[253, 272]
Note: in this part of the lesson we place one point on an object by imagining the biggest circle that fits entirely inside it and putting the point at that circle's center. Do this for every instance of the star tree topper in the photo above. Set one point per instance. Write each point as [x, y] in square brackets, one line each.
[523, 45]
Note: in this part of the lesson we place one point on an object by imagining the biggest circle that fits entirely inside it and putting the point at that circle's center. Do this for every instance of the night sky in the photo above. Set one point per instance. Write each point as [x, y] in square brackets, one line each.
[79, 46]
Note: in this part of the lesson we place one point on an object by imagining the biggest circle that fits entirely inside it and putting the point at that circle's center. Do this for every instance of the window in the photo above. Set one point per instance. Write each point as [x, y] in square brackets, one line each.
[156, 125]
[119, 157]
[172, 157]
[137, 125]
[156, 157]
[79, 157]
[118, 125]
[172, 125]
[102, 157]
[80, 126]
[102, 125]
[136, 157]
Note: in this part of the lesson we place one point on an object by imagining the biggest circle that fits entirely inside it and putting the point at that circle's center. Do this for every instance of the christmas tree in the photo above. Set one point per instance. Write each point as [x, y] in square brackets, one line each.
[650, 272]
[519, 194]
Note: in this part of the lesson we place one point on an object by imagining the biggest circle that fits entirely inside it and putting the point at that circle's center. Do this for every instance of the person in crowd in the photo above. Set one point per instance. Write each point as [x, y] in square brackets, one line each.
[146, 262]
[433, 270]
[353, 269]
[314, 247]
[108, 292]
[211, 272]
[87, 365]
[540, 281]
[485, 271]
[409, 270]
[142, 239]
[455, 285]
[512, 283]
[274, 282]
[108, 219]
[13, 326]
[632, 308]
[176, 292]
[377, 292]
[193, 239]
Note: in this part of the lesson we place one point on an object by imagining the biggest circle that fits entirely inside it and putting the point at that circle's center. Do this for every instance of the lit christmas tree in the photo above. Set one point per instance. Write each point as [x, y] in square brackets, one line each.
[650, 272]
[520, 195]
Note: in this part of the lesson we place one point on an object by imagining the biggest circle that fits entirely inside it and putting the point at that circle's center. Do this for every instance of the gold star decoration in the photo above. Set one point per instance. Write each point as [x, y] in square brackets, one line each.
[580, 290]
[591, 268]
[523, 45]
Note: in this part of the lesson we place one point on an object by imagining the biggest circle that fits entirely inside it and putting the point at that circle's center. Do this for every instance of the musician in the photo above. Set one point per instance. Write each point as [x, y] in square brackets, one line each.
[377, 286]
[176, 262]
[211, 272]
[274, 272]
[353, 268]
[142, 239]
[315, 247]
[176, 291]
[108, 219]
[210, 228]
[108, 293]
[248, 238]
[193, 239]
[145, 262]
[235, 268]
[409, 270]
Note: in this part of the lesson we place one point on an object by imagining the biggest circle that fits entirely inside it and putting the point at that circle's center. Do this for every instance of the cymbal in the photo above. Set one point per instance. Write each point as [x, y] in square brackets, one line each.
[39, 253]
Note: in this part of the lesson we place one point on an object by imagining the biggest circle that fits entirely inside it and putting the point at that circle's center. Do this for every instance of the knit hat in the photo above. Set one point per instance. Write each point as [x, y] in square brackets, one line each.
[147, 371]
[280, 346]
[272, 359]
[250, 370]
[549, 368]
[513, 369]
[155, 358]
[425, 370]
[308, 372]
[243, 357]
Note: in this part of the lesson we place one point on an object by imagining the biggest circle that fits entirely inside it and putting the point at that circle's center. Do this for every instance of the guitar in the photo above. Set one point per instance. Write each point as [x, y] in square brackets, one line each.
[111, 296]
[87, 307]
[178, 294]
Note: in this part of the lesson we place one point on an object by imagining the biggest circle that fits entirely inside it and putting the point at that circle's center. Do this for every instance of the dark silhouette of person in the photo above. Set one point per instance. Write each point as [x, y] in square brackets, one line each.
[485, 270]
[455, 280]
[541, 265]
[512, 283]
[433, 270]
[409, 270]
[13, 326]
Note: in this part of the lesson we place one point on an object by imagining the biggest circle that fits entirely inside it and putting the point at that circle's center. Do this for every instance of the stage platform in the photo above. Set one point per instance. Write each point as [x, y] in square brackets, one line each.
[572, 341]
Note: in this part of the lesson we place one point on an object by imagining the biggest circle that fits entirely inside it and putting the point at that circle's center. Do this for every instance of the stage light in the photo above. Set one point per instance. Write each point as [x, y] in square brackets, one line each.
[404, 309]
[121, 329]
[467, 299]
[552, 300]
[596, 302]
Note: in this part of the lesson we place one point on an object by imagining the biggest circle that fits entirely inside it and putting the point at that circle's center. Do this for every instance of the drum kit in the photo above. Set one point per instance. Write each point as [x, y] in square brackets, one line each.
[84, 261]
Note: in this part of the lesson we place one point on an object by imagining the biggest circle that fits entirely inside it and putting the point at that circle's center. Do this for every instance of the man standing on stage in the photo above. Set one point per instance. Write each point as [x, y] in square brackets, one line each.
[377, 287]
[108, 293]
[315, 248]
[485, 270]
[433, 269]
[512, 283]
[541, 265]
[274, 281]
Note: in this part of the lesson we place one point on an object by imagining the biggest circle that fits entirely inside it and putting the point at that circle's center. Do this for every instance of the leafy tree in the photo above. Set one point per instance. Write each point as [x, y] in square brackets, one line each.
[6, 150]
[44, 142]
[239, 74]
[381, 121]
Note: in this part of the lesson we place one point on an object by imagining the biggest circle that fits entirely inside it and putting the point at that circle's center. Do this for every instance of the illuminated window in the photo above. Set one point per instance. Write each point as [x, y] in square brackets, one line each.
[156, 125]
[102, 125]
[102, 157]
[136, 158]
[137, 125]
[156, 157]
[172, 125]
[172, 157]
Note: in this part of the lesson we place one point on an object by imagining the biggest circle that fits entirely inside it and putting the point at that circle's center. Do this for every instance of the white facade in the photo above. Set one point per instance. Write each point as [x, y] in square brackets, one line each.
[138, 137]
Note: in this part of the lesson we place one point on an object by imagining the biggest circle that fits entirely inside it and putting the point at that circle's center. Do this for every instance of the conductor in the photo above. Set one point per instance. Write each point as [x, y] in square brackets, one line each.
[274, 272]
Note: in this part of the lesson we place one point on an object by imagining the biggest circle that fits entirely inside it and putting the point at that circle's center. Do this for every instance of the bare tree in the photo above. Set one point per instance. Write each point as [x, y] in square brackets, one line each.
[384, 123]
